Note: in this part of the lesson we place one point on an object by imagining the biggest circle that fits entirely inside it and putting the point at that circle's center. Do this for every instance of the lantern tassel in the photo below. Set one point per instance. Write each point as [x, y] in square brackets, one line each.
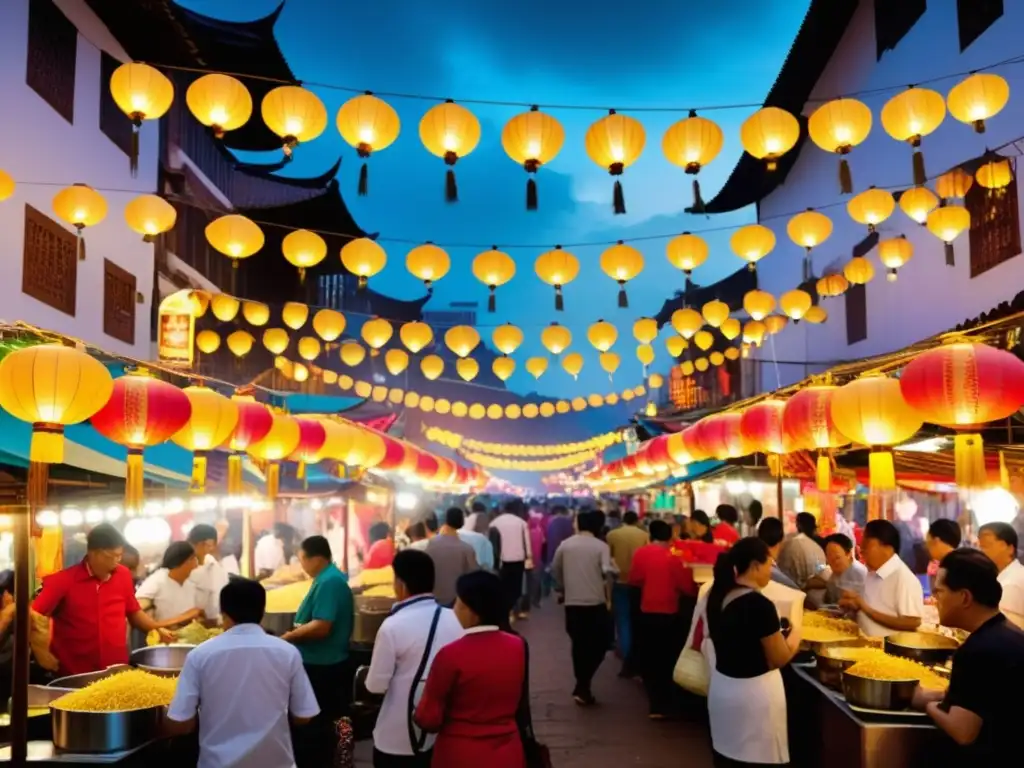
[969, 456]
[235, 485]
[273, 480]
[1004, 472]
[774, 464]
[492, 299]
[133, 154]
[698, 201]
[47, 445]
[920, 176]
[451, 189]
[300, 470]
[364, 180]
[950, 255]
[134, 483]
[361, 286]
[198, 483]
[531, 195]
[79, 244]
[559, 302]
[623, 298]
[823, 475]
[618, 200]
[882, 470]
[845, 177]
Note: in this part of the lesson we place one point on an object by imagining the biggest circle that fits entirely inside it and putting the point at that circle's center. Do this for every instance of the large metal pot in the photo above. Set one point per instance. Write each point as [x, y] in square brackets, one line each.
[370, 613]
[830, 668]
[278, 623]
[926, 647]
[868, 693]
[165, 660]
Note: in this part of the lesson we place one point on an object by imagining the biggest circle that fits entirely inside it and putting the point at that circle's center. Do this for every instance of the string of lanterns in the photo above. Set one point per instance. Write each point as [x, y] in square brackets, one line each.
[490, 461]
[457, 440]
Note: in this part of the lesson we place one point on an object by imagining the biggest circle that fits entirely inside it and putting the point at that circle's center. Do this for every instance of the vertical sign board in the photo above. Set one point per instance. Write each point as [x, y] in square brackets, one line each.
[176, 329]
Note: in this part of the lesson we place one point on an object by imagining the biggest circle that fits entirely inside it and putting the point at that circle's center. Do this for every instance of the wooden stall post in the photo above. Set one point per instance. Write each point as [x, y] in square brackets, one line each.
[22, 621]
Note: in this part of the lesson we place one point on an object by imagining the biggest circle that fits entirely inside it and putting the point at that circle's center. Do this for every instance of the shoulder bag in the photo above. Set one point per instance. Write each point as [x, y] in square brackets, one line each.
[537, 754]
[417, 740]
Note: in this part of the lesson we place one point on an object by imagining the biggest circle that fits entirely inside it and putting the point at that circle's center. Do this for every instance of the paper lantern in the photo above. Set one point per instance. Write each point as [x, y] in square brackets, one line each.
[235, 236]
[396, 361]
[142, 92]
[415, 335]
[839, 126]
[947, 223]
[477, 411]
[703, 340]
[731, 328]
[816, 314]
[754, 332]
[295, 114]
[809, 229]
[723, 436]
[338, 440]
[280, 441]
[859, 271]
[141, 412]
[368, 124]
[773, 324]
[715, 312]
[352, 353]
[428, 263]
[275, 340]
[731, 353]
[532, 139]
[224, 307]
[692, 143]
[80, 206]
[450, 131]
[462, 339]
[687, 321]
[364, 258]
[507, 338]
[294, 314]
[609, 362]
[431, 367]
[376, 332]
[645, 330]
[752, 243]
[220, 102]
[768, 134]
[329, 324]
[7, 186]
[622, 263]
[871, 207]
[573, 364]
[240, 343]
[503, 367]
[312, 436]
[536, 366]
[687, 252]
[51, 386]
[150, 215]
[761, 426]
[795, 304]
[807, 420]
[556, 338]
[977, 98]
[303, 249]
[995, 174]
[758, 304]
[615, 142]
[917, 203]
[467, 368]
[686, 368]
[308, 348]
[213, 421]
[894, 253]
[493, 268]
[675, 345]
[645, 354]
[871, 411]
[207, 342]
[253, 423]
[557, 268]
[910, 116]
[830, 286]
[299, 372]
[954, 184]
[602, 335]
[256, 313]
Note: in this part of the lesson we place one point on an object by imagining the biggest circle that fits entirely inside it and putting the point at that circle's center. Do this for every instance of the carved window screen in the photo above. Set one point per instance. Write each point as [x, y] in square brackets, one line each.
[118, 302]
[50, 263]
[52, 51]
[995, 226]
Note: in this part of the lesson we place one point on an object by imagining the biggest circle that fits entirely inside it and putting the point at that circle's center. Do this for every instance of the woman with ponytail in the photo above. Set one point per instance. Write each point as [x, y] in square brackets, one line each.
[746, 700]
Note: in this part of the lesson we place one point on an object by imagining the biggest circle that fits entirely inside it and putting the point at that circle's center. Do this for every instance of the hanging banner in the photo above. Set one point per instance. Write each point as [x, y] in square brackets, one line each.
[176, 328]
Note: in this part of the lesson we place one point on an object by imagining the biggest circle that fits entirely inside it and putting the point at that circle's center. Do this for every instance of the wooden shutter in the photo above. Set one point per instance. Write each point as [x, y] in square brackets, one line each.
[856, 314]
[49, 270]
[52, 51]
[974, 17]
[893, 19]
[995, 226]
[118, 302]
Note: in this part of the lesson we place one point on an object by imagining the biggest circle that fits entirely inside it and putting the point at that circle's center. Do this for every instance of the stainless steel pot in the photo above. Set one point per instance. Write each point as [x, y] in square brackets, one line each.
[926, 647]
[80, 681]
[165, 660]
[830, 669]
[892, 695]
[105, 731]
[370, 613]
[278, 623]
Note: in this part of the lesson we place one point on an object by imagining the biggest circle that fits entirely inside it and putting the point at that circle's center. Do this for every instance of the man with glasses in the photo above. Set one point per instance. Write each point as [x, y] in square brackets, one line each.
[89, 604]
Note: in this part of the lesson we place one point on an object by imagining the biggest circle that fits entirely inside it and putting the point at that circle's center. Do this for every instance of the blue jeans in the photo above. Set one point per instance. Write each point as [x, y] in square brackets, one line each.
[622, 610]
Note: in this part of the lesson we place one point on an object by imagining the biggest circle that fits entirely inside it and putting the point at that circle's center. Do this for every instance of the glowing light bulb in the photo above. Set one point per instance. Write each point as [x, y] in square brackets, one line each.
[533, 148]
[235, 249]
[80, 214]
[617, 153]
[366, 134]
[293, 126]
[451, 142]
[218, 115]
[140, 103]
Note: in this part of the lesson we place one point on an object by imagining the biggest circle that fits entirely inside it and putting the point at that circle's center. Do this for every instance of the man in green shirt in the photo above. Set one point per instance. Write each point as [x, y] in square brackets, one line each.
[323, 629]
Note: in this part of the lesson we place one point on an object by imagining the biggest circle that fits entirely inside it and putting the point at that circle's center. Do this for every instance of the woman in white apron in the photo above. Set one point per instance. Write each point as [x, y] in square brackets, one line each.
[746, 700]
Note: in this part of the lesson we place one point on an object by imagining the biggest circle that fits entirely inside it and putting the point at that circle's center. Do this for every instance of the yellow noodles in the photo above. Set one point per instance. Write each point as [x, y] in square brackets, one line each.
[193, 634]
[822, 628]
[125, 691]
[287, 599]
[882, 666]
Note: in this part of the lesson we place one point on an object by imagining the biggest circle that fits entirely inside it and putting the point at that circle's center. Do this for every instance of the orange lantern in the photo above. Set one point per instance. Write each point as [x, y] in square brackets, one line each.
[954, 184]
[977, 98]
[839, 126]
[615, 142]
[910, 116]
[493, 268]
[429, 263]
[948, 222]
[622, 263]
[213, 421]
[768, 134]
[312, 436]
[871, 207]
[364, 258]
[295, 114]
[691, 144]
[369, 124]
[687, 252]
[752, 243]
[254, 422]
[449, 131]
[722, 435]
[532, 139]
[807, 421]
[894, 253]
[280, 441]
[917, 203]
[809, 229]
[557, 268]
[761, 425]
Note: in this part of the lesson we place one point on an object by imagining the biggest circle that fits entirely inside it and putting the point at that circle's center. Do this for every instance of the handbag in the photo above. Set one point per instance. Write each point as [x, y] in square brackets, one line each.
[537, 754]
[692, 672]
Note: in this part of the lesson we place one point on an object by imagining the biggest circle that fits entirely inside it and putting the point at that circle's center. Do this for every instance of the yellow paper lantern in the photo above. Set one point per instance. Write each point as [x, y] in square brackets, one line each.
[717, 358]
[507, 338]
[715, 312]
[281, 441]
[573, 364]
[440, 405]
[532, 139]
[910, 116]
[809, 229]
[768, 134]
[531, 411]
[142, 92]
[396, 395]
[645, 354]
[686, 367]
[732, 353]
[493, 268]
[578, 404]
[701, 364]
[730, 328]
[687, 252]
[345, 382]
[676, 345]
[428, 263]
[396, 361]
[917, 203]
[220, 102]
[329, 324]
[839, 126]
[513, 411]
[609, 362]
[467, 368]
[300, 373]
[602, 335]
[536, 366]
[295, 114]
[859, 271]
[687, 321]
[947, 223]
[954, 184]
[210, 426]
[431, 367]
[150, 215]
[352, 353]
[692, 143]
[832, 285]
[294, 314]
[503, 367]
[758, 304]
[495, 411]
[752, 243]
[977, 98]
[412, 400]
[376, 332]
[7, 186]
[329, 377]
[80, 206]
[308, 348]
[51, 386]
[461, 339]
[275, 340]
[477, 411]
[556, 338]
[557, 268]
[224, 307]
[547, 410]
[416, 335]
[235, 236]
[364, 258]
[704, 340]
[996, 174]
[450, 131]
[368, 124]
[795, 304]
[614, 143]
[816, 314]
[256, 313]
[645, 330]
[303, 249]
[773, 324]
[363, 389]
[871, 207]
[754, 332]
[207, 342]
[622, 263]
[240, 343]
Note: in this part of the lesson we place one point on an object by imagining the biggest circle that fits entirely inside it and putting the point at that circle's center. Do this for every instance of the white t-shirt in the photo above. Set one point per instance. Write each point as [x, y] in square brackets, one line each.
[893, 590]
[268, 554]
[1012, 580]
[209, 579]
[515, 538]
[169, 598]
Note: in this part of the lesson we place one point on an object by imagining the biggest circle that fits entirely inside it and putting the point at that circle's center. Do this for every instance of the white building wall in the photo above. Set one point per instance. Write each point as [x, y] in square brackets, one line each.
[929, 296]
[38, 145]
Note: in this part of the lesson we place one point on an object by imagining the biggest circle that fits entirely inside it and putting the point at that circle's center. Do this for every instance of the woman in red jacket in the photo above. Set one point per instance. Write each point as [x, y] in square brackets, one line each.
[470, 701]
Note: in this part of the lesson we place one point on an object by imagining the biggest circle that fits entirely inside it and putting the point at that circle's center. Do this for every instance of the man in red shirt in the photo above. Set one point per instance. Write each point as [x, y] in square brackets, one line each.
[663, 579]
[89, 603]
[725, 533]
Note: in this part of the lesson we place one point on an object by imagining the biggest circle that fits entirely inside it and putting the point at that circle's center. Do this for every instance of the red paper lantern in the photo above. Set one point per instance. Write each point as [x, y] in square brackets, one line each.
[142, 411]
[807, 421]
[426, 466]
[311, 439]
[254, 422]
[445, 471]
[394, 454]
[722, 436]
[693, 443]
[658, 453]
[630, 466]
[761, 425]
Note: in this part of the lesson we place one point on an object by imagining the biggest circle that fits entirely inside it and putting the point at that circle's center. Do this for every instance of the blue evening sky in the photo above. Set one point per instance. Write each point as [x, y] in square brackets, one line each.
[656, 53]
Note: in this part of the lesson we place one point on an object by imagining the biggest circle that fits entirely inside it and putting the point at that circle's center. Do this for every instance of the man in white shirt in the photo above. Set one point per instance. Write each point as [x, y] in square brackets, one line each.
[169, 593]
[515, 554]
[210, 577]
[247, 683]
[268, 555]
[399, 653]
[999, 541]
[893, 599]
